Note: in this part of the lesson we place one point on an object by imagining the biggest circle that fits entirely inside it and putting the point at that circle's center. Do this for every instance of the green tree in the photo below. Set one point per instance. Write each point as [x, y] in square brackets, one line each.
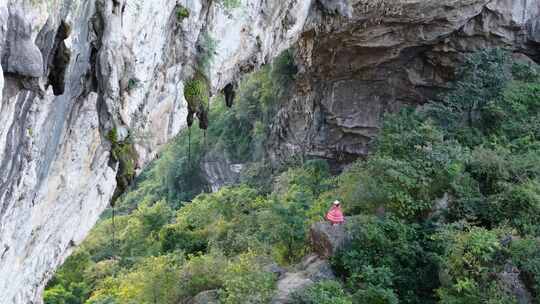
[482, 79]
[386, 260]
[153, 281]
[470, 260]
[245, 281]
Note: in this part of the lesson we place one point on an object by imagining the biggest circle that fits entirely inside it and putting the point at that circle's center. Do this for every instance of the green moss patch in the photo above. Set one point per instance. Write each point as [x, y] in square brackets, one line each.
[197, 94]
[124, 153]
[181, 13]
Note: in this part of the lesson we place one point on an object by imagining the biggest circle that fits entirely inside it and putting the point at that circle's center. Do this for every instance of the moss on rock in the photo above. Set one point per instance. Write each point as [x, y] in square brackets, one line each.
[197, 94]
[181, 13]
[123, 152]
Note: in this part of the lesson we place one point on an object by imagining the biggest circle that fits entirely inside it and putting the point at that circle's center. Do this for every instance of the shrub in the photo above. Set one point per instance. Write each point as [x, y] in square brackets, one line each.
[325, 292]
[285, 223]
[245, 281]
[414, 165]
[105, 292]
[225, 220]
[153, 280]
[386, 257]
[285, 227]
[181, 13]
[515, 113]
[525, 254]
[177, 171]
[525, 72]
[471, 259]
[201, 273]
[482, 80]
[520, 205]
[376, 295]
[284, 70]
[140, 236]
[58, 295]
[172, 239]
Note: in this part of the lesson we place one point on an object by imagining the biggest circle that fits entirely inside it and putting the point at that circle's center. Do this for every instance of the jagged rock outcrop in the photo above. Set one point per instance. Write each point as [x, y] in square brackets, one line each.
[327, 239]
[219, 171]
[310, 271]
[92, 89]
[513, 284]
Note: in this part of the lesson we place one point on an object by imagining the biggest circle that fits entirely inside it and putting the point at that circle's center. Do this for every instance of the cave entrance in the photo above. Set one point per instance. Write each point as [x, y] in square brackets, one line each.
[60, 59]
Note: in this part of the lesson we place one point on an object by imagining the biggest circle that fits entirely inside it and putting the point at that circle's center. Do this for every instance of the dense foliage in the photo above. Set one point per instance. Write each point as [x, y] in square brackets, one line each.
[445, 209]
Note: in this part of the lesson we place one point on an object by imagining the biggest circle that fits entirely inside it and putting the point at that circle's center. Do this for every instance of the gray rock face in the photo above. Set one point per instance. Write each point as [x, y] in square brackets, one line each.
[74, 71]
[374, 56]
[326, 239]
[310, 271]
[206, 297]
[20, 54]
[511, 281]
[220, 171]
[341, 7]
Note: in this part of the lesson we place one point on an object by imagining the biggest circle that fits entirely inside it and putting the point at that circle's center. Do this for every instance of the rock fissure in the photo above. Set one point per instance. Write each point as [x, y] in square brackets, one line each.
[59, 60]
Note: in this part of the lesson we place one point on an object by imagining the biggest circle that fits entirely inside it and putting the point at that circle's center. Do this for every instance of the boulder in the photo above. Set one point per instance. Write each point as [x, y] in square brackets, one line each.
[317, 269]
[326, 239]
[206, 297]
[310, 271]
[440, 208]
[275, 269]
[512, 283]
[22, 56]
[288, 285]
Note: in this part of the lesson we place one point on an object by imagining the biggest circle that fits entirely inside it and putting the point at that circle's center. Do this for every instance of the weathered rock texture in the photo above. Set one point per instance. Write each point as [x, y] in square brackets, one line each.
[327, 239]
[359, 59]
[77, 72]
[74, 73]
[219, 171]
[206, 297]
[310, 271]
[513, 284]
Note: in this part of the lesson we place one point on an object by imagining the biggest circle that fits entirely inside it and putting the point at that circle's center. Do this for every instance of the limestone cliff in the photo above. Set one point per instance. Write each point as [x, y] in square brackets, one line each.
[82, 79]
[360, 59]
[90, 90]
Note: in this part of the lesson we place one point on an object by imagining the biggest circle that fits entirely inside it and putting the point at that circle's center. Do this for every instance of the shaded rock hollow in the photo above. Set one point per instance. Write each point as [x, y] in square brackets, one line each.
[360, 59]
[122, 66]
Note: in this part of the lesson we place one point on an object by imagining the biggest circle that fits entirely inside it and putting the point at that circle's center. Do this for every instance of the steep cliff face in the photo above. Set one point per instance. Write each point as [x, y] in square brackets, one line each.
[84, 78]
[90, 90]
[360, 59]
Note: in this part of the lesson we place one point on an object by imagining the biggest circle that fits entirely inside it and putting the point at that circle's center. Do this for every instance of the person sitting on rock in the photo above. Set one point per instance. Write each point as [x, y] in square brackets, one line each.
[335, 215]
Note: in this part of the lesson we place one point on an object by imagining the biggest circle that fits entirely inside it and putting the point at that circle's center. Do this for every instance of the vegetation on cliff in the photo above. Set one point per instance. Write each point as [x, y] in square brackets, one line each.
[448, 201]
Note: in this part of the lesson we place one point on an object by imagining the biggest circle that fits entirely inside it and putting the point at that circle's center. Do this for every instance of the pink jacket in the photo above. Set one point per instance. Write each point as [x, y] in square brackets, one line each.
[335, 215]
